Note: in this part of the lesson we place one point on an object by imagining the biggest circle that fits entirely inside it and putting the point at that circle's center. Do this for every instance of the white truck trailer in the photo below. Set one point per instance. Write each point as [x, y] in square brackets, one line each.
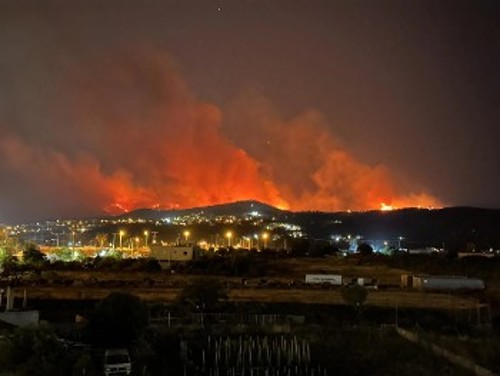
[332, 279]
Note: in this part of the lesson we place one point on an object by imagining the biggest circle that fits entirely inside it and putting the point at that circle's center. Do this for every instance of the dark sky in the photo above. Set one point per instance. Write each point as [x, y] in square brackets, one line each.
[333, 104]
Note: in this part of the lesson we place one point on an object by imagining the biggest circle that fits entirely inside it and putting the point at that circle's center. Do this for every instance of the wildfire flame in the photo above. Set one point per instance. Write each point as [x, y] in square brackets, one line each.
[385, 207]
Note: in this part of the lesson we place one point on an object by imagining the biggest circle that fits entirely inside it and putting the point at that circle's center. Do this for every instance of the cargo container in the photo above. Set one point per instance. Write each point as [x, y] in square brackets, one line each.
[447, 283]
[407, 280]
[332, 279]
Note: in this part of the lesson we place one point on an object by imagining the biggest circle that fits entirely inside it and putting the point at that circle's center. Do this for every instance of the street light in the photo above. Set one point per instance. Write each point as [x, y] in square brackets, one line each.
[399, 242]
[146, 235]
[265, 236]
[121, 233]
[155, 233]
[229, 235]
[186, 235]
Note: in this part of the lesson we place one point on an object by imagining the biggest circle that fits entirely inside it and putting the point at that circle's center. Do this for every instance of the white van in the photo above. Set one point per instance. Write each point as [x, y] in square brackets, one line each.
[117, 362]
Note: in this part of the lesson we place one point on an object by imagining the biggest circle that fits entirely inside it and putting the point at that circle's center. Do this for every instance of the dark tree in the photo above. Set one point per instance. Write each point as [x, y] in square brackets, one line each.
[118, 320]
[321, 249]
[241, 263]
[33, 256]
[299, 247]
[37, 351]
[152, 265]
[355, 296]
[202, 294]
[365, 249]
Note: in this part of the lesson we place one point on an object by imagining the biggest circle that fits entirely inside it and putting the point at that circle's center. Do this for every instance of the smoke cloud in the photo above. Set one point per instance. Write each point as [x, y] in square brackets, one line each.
[311, 169]
[125, 132]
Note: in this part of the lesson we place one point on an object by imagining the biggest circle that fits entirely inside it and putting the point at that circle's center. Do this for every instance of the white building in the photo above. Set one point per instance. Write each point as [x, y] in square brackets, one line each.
[166, 255]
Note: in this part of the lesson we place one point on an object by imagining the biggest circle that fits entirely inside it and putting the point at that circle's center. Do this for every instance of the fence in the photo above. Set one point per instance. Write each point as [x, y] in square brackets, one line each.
[451, 357]
[263, 355]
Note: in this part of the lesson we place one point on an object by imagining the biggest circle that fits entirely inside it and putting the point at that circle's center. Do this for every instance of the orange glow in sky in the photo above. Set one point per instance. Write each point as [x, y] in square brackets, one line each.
[145, 141]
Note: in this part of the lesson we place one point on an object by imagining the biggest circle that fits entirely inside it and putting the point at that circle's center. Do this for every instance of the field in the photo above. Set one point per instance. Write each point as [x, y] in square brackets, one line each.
[407, 299]
[282, 281]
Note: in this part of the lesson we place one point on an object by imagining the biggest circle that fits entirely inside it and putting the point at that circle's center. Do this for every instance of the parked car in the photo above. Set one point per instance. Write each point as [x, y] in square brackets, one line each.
[117, 362]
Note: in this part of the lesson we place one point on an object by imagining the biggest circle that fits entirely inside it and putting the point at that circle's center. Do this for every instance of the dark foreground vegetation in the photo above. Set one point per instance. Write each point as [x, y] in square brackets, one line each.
[202, 332]
[186, 337]
[253, 262]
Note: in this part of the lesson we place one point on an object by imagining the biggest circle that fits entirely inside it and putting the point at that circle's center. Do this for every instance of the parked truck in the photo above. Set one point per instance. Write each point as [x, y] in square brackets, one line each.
[332, 279]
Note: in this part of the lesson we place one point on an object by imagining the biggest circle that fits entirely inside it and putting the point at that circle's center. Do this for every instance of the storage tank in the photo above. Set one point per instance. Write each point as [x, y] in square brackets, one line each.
[448, 283]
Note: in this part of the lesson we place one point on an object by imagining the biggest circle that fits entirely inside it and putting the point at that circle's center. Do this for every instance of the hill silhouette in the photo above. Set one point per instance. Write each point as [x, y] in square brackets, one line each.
[455, 227]
[238, 208]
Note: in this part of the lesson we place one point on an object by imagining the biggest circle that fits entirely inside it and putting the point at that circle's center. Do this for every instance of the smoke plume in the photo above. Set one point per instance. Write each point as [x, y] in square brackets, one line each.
[126, 132]
[311, 169]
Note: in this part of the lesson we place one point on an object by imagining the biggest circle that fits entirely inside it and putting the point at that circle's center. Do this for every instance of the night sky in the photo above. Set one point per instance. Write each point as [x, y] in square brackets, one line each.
[111, 105]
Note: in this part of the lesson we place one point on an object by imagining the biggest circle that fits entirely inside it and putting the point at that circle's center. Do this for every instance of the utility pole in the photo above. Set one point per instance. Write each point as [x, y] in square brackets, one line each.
[154, 233]
[114, 239]
[121, 233]
[73, 239]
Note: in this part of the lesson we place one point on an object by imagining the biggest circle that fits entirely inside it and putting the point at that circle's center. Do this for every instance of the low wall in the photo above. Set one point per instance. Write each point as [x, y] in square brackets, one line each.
[21, 318]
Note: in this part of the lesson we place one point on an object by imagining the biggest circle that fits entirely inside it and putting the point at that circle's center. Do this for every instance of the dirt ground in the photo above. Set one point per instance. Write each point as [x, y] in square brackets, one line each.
[414, 299]
[283, 283]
